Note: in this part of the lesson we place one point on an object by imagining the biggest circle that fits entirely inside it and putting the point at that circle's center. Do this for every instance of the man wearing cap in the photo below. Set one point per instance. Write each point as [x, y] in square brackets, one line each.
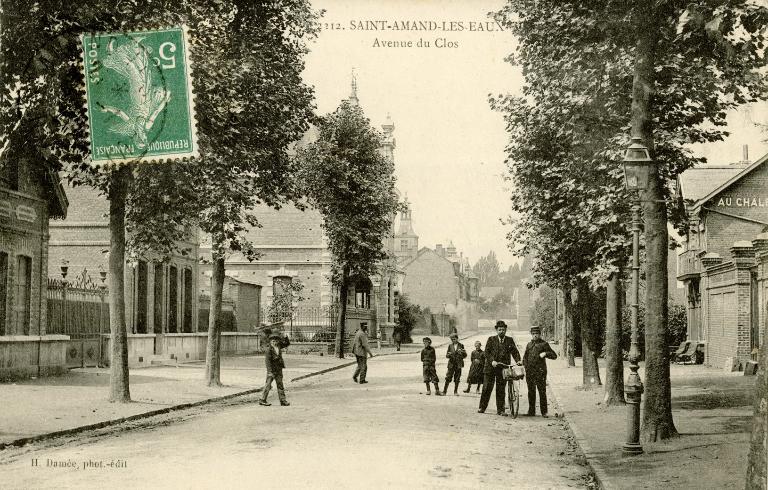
[273, 359]
[360, 349]
[455, 355]
[499, 349]
[534, 360]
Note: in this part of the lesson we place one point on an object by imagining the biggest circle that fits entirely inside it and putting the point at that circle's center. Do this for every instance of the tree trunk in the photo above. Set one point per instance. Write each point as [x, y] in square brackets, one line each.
[614, 359]
[657, 421]
[340, 326]
[568, 342]
[757, 462]
[213, 351]
[119, 389]
[589, 343]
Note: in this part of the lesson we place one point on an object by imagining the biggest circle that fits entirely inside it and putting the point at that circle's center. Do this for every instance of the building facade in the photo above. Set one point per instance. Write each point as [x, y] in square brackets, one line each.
[30, 194]
[292, 247]
[442, 281]
[722, 263]
[161, 295]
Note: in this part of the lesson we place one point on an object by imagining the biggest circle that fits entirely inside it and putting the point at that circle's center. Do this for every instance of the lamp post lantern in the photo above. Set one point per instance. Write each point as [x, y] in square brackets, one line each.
[637, 165]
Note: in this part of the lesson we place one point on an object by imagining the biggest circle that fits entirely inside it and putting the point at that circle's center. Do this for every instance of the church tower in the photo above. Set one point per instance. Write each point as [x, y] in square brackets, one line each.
[388, 139]
[406, 241]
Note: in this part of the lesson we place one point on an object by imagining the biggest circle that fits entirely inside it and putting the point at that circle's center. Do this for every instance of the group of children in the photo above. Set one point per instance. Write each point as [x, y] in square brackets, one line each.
[456, 355]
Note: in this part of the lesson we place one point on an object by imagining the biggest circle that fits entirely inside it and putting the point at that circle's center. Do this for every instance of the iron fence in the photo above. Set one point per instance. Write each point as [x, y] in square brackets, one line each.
[304, 323]
[80, 310]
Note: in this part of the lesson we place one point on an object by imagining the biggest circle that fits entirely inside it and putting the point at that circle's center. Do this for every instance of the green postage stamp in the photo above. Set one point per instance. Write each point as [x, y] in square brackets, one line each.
[139, 96]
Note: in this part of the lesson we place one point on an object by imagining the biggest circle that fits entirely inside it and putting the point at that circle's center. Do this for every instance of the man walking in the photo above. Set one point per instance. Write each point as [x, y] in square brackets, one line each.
[534, 360]
[498, 349]
[360, 349]
[273, 358]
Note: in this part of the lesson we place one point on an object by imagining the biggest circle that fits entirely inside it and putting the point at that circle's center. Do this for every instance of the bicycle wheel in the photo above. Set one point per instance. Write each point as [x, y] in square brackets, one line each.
[514, 399]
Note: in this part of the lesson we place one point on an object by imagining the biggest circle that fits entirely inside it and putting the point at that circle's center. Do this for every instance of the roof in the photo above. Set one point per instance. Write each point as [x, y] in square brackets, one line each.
[697, 183]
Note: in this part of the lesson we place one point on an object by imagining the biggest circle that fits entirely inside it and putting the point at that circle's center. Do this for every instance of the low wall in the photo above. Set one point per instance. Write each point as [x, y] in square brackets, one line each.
[148, 349]
[26, 356]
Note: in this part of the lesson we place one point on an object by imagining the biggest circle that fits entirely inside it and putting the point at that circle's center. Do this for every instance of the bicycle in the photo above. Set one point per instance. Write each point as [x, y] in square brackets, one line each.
[513, 374]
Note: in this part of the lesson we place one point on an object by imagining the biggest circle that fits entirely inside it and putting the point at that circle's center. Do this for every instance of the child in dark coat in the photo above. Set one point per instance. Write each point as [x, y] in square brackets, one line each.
[273, 358]
[428, 359]
[476, 368]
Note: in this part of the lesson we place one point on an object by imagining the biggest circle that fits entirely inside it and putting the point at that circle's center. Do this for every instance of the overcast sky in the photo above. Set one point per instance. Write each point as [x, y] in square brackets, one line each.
[450, 145]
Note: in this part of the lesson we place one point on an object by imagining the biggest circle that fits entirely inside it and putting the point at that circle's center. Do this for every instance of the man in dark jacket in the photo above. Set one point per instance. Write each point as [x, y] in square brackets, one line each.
[498, 349]
[534, 360]
[455, 355]
[273, 359]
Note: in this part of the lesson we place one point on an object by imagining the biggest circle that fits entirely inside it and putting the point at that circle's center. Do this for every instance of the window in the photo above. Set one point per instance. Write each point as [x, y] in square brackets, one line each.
[362, 299]
[3, 289]
[159, 295]
[173, 299]
[23, 289]
[280, 284]
[403, 245]
[141, 298]
[187, 305]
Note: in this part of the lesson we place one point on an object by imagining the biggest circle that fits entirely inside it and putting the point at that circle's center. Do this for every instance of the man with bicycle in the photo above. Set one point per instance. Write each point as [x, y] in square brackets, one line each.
[499, 349]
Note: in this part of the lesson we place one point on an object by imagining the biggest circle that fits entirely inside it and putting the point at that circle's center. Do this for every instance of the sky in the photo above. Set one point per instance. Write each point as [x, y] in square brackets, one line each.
[449, 157]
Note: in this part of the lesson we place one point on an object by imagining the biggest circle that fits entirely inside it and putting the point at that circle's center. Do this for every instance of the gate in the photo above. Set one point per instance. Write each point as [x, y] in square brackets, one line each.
[80, 310]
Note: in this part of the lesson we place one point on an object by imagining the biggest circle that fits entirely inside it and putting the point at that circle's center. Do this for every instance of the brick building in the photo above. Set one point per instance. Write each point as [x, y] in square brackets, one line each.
[160, 296]
[724, 257]
[30, 194]
[293, 247]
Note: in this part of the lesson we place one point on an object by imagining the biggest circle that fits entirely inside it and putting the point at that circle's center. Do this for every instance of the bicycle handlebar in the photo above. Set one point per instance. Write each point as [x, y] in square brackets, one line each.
[508, 365]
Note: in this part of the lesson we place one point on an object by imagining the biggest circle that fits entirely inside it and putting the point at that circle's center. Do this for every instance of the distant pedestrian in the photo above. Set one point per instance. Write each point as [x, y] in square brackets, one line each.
[397, 337]
[360, 348]
[455, 355]
[273, 358]
[536, 353]
[498, 349]
[428, 359]
[475, 375]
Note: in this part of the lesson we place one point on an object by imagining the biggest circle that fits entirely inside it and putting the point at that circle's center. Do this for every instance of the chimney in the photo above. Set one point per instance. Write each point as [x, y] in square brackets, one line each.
[745, 154]
[439, 250]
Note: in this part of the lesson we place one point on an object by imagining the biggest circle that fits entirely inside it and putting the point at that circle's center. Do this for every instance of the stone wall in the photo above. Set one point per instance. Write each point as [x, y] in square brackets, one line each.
[27, 356]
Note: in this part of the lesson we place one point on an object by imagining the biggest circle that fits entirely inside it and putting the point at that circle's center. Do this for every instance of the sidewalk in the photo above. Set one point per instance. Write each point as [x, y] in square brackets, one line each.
[712, 411]
[37, 407]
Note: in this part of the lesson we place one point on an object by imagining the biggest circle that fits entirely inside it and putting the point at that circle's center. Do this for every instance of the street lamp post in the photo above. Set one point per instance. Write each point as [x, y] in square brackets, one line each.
[637, 163]
[102, 294]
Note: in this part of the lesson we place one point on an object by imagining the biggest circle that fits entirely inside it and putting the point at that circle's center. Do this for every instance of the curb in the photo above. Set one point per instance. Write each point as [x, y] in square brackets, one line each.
[599, 472]
[108, 423]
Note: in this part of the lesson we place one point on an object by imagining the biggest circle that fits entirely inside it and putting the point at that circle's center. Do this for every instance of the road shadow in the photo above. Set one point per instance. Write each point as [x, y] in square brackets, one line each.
[84, 379]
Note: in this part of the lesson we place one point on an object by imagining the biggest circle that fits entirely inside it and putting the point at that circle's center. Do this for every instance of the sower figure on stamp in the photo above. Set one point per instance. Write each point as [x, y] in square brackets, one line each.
[534, 360]
[455, 355]
[273, 358]
[498, 349]
[359, 349]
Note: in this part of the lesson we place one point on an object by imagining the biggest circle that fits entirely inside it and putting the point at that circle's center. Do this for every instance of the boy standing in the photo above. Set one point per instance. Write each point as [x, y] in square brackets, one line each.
[534, 360]
[273, 358]
[455, 355]
[428, 359]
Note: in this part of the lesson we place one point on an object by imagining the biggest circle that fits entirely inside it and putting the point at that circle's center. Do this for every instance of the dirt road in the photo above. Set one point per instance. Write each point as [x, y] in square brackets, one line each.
[335, 434]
